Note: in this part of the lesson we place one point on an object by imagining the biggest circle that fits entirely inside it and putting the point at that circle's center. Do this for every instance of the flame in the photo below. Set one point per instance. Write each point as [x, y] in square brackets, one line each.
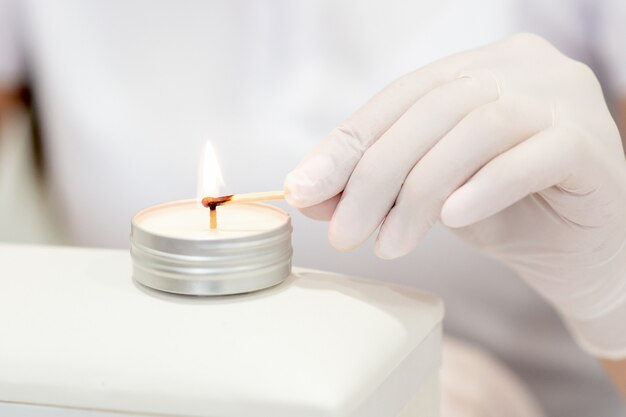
[210, 181]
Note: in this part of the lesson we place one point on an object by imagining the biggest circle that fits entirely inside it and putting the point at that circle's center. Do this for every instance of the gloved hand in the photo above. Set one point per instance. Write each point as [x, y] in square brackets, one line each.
[511, 145]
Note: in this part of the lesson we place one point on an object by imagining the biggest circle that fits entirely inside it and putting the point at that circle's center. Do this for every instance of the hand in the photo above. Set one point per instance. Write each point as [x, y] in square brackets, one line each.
[511, 145]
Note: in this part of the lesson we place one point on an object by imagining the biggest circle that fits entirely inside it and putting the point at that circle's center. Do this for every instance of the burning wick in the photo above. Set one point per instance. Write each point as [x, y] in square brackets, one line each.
[212, 202]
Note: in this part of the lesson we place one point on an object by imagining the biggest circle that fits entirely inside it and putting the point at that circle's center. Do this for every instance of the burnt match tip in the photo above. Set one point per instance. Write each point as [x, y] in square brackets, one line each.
[212, 202]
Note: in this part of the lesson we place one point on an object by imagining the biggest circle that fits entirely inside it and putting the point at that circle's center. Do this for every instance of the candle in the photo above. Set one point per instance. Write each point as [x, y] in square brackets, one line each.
[180, 247]
[174, 248]
[190, 220]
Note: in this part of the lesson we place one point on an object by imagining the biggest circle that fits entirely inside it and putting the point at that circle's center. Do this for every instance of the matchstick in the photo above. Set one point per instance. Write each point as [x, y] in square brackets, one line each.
[212, 202]
[213, 216]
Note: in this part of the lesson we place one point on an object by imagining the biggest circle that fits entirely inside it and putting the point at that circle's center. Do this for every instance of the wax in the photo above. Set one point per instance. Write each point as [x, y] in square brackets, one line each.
[190, 220]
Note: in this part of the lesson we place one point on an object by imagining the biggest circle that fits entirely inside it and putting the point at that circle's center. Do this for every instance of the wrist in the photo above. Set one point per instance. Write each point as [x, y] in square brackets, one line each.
[599, 329]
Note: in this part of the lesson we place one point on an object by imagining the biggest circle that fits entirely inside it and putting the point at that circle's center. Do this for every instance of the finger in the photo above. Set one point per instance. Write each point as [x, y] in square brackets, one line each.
[322, 211]
[553, 156]
[481, 136]
[378, 177]
[325, 171]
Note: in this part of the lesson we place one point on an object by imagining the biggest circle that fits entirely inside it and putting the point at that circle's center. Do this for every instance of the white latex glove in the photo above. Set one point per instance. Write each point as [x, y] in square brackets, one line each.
[513, 146]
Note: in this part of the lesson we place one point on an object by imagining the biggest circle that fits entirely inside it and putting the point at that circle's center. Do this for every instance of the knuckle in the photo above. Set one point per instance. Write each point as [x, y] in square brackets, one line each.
[492, 116]
[369, 175]
[574, 144]
[354, 136]
[530, 43]
[470, 78]
[582, 71]
[579, 142]
[417, 191]
[479, 81]
[368, 184]
[422, 206]
[528, 39]
[483, 126]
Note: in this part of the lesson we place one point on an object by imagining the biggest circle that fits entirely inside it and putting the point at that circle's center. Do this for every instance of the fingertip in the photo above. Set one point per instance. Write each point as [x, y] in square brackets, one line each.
[345, 230]
[449, 215]
[310, 182]
[322, 211]
[383, 251]
[293, 187]
[339, 242]
[316, 213]
[456, 212]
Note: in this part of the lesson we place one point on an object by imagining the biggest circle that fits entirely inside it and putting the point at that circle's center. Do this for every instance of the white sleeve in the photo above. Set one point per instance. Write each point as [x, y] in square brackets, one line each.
[611, 42]
[11, 47]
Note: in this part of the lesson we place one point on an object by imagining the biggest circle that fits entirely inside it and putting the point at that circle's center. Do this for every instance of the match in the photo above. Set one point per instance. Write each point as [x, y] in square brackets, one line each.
[212, 202]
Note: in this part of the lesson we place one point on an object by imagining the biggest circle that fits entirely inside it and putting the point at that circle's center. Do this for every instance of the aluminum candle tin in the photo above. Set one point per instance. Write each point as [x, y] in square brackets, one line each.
[174, 250]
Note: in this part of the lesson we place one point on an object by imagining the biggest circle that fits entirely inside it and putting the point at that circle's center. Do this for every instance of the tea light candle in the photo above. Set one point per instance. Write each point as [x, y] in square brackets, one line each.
[175, 250]
[178, 247]
[190, 220]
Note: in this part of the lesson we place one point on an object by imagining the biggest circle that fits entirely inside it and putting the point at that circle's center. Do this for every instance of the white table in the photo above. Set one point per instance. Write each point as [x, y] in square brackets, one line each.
[77, 334]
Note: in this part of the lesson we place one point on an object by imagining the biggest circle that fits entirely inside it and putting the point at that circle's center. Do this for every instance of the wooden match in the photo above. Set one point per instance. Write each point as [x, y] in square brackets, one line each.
[213, 202]
[213, 216]
[242, 198]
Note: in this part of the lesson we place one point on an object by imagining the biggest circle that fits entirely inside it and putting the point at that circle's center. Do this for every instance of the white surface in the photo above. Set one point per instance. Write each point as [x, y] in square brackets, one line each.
[76, 331]
[190, 220]
[421, 405]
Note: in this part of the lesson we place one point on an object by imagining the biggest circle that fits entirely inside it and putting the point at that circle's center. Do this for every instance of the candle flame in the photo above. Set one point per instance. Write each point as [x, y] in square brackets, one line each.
[210, 181]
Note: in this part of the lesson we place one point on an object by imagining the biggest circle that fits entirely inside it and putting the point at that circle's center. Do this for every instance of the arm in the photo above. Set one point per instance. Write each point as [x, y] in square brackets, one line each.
[617, 372]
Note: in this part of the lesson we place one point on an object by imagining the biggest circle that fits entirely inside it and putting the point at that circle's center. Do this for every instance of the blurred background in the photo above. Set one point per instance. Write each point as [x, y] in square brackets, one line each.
[421, 32]
[586, 30]
[21, 180]
[104, 106]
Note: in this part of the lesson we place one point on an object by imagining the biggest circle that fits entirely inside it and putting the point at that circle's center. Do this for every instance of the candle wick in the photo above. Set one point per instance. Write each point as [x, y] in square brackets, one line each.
[216, 201]
[213, 215]
[212, 203]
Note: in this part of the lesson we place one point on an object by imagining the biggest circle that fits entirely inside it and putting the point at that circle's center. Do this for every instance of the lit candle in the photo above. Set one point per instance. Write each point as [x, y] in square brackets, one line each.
[188, 220]
[177, 247]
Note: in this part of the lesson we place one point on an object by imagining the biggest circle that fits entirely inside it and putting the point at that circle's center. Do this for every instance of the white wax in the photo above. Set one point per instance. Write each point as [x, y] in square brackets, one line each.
[190, 220]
